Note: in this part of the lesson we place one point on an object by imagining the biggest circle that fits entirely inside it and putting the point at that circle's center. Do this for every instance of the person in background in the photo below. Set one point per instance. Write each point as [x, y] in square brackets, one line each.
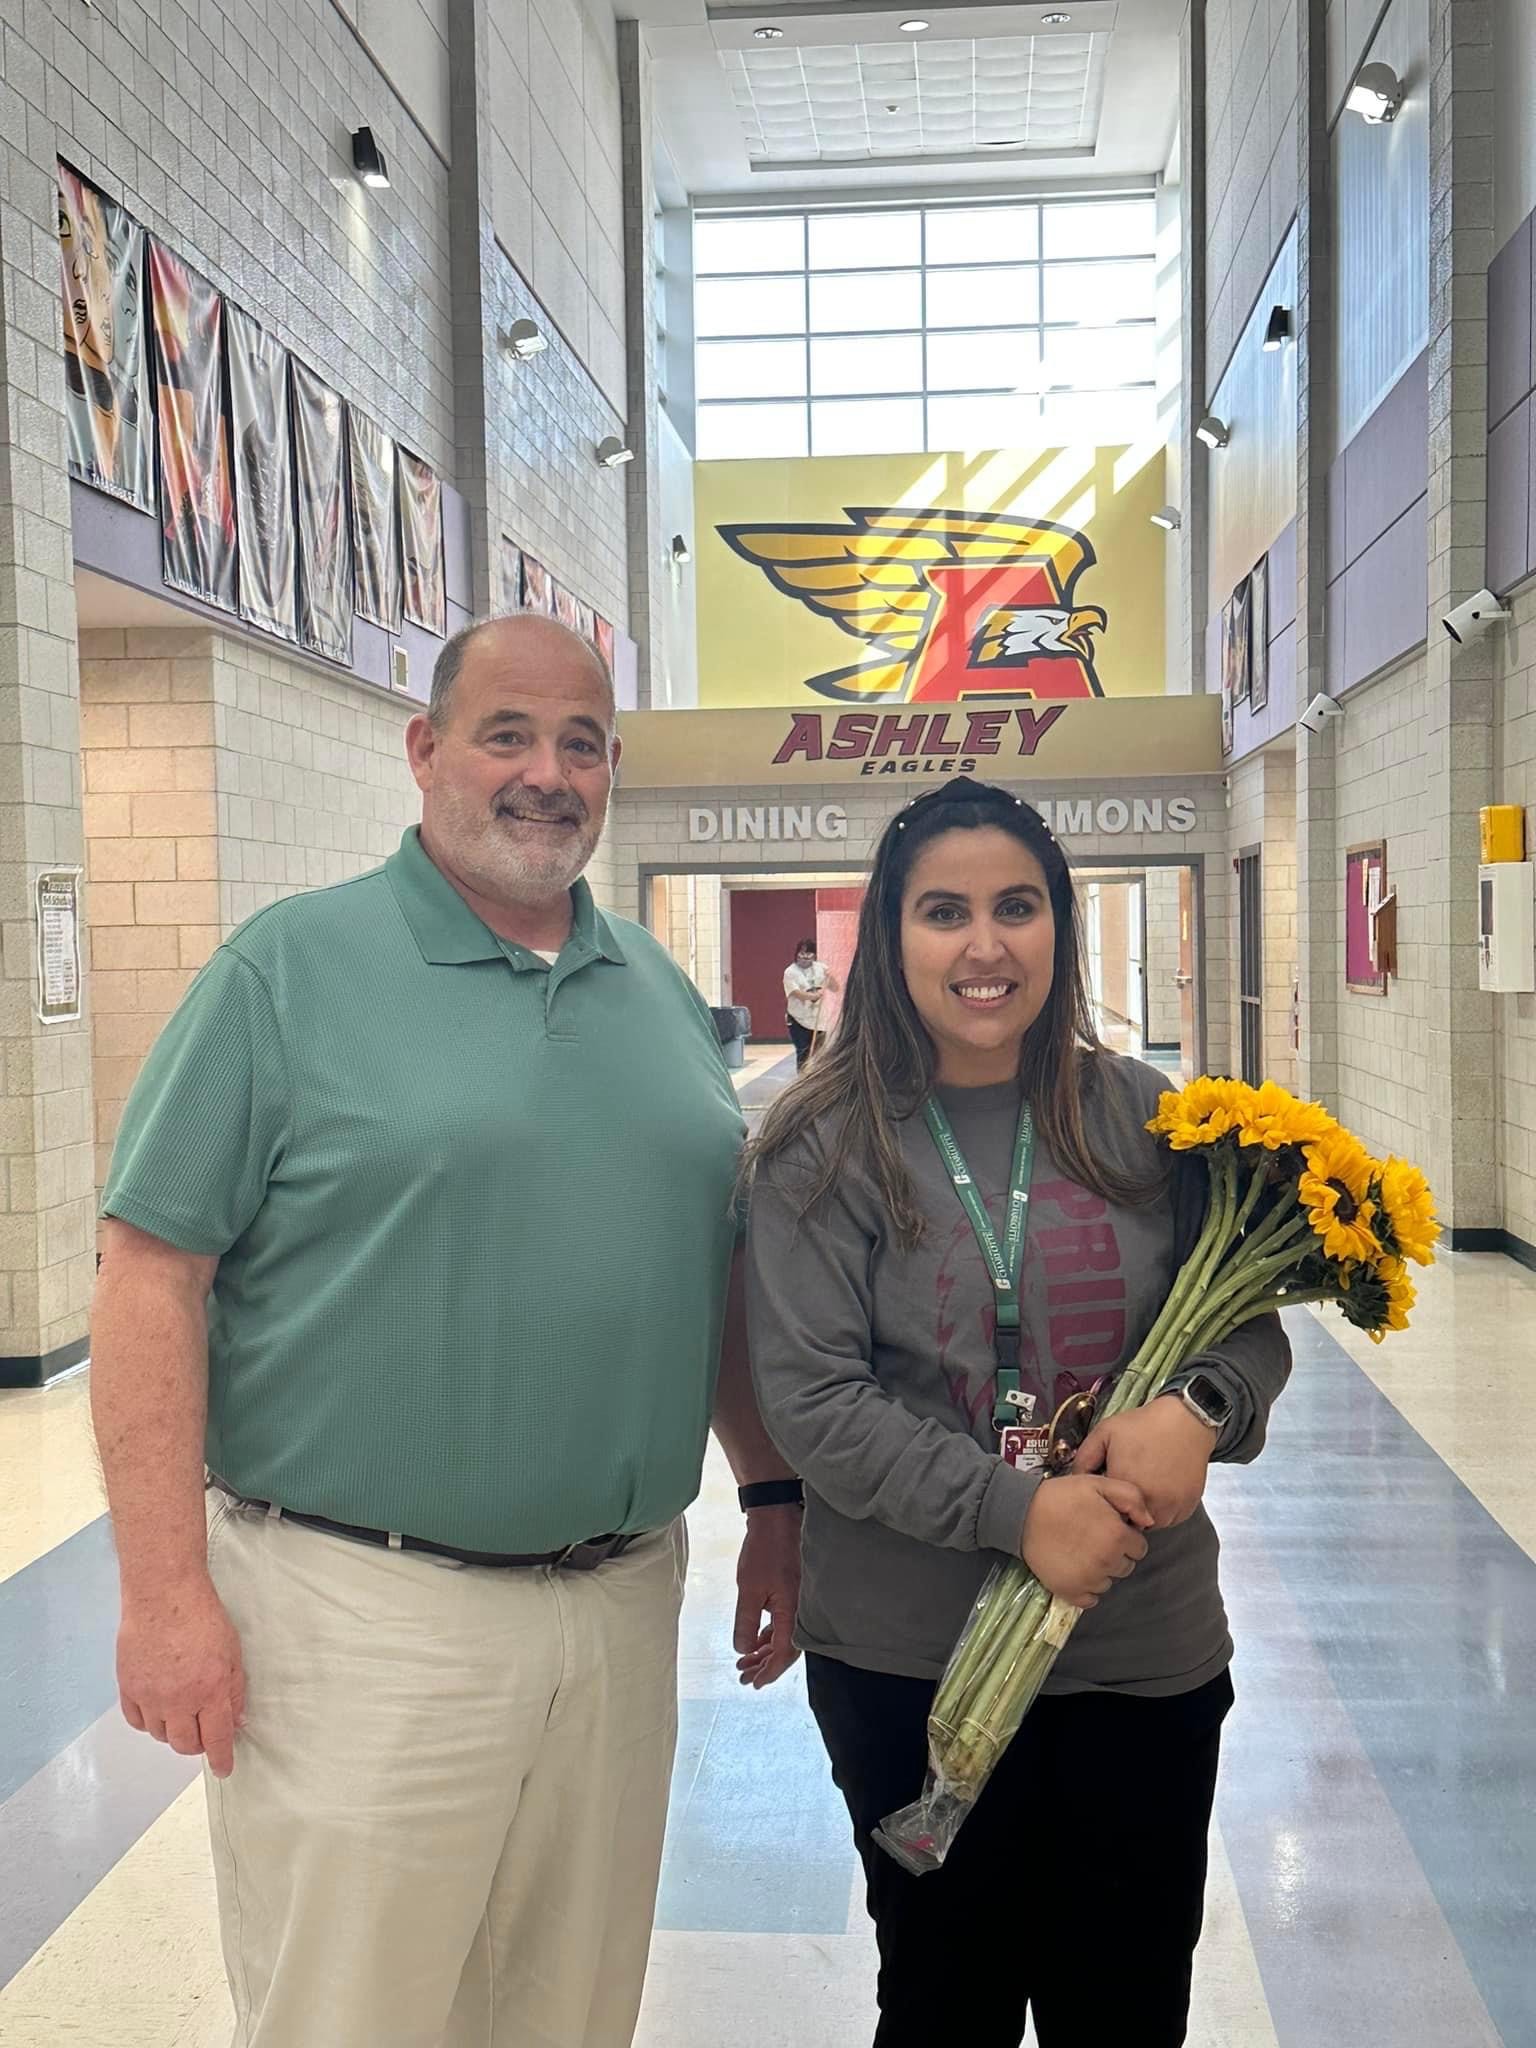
[965, 1084]
[807, 983]
[420, 1233]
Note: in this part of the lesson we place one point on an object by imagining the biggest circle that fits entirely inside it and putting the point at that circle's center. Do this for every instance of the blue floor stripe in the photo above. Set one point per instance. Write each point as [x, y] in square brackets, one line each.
[1386, 1627]
[58, 1625]
[67, 1827]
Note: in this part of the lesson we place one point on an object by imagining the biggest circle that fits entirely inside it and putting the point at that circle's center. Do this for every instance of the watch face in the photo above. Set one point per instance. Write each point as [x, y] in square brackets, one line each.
[1209, 1399]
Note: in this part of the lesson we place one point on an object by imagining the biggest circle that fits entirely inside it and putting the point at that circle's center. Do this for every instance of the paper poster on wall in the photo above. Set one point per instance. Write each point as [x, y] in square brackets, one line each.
[567, 611]
[509, 576]
[263, 436]
[58, 945]
[197, 504]
[375, 523]
[325, 550]
[538, 588]
[602, 640]
[421, 544]
[106, 351]
[1365, 890]
[1258, 637]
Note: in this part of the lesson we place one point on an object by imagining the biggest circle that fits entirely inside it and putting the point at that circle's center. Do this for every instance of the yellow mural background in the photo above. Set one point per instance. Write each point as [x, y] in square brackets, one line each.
[757, 646]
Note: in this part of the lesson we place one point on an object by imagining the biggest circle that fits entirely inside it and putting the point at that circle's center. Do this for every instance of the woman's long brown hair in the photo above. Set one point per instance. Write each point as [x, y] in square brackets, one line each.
[880, 1064]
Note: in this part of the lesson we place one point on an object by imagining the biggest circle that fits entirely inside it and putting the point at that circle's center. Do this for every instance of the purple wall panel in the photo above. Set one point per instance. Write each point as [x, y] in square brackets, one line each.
[626, 671]
[1386, 597]
[123, 543]
[1511, 483]
[1338, 516]
[1388, 462]
[1336, 677]
[1213, 653]
[1510, 325]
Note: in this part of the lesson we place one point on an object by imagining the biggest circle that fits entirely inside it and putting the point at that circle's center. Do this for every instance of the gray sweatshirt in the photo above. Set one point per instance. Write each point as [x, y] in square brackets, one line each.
[875, 1371]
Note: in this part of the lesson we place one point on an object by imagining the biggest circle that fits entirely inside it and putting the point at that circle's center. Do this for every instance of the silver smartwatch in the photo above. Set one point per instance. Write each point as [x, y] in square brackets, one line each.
[1205, 1400]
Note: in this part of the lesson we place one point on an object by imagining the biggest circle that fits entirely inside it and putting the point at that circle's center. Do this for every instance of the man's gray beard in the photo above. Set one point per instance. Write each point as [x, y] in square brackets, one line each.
[496, 866]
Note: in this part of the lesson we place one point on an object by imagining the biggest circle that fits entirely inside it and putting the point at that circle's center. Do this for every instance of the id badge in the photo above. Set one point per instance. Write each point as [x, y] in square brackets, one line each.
[1023, 1445]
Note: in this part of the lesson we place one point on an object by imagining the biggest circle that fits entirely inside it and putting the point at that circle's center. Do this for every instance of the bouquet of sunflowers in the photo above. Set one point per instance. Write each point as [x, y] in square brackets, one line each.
[1299, 1213]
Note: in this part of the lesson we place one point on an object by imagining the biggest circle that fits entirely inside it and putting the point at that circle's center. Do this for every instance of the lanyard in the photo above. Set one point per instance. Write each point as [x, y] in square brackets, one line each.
[1005, 1261]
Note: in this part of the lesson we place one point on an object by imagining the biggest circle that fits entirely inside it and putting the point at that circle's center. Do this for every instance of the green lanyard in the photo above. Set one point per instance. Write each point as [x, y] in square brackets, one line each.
[1005, 1261]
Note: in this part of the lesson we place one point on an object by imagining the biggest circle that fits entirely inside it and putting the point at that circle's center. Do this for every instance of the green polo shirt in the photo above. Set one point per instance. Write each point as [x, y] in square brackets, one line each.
[472, 1213]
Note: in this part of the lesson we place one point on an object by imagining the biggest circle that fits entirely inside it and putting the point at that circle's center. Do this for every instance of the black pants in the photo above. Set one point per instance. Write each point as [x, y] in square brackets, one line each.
[803, 1040]
[1075, 1888]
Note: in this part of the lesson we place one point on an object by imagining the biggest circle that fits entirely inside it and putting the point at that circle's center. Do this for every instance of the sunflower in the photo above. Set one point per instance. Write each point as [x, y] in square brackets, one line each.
[1406, 1221]
[1335, 1190]
[1201, 1114]
[1274, 1118]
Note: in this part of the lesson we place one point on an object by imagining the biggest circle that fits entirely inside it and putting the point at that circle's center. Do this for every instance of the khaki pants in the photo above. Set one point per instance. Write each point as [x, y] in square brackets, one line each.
[445, 1821]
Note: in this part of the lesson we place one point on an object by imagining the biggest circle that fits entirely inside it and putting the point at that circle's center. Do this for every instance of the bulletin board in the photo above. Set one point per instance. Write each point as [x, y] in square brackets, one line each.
[1367, 964]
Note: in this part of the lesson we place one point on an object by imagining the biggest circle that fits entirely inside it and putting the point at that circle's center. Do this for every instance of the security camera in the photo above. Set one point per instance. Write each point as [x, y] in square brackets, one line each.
[1474, 616]
[1319, 711]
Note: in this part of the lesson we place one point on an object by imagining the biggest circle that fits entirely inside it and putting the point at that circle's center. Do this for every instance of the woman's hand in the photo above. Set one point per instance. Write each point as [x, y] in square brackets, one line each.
[1082, 1533]
[1161, 1449]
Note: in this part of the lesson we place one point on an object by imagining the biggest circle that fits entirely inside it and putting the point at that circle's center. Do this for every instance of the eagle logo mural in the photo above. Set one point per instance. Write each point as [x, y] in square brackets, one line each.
[952, 604]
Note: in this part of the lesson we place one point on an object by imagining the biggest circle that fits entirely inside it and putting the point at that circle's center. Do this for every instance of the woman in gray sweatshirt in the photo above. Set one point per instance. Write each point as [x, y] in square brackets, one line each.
[910, 1347]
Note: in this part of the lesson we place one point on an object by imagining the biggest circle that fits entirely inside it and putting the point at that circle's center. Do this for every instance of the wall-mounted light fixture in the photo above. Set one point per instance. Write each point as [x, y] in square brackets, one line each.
[1278, 332]
[368, 159]
[1376, 94]
[1170, 518]
[768, 33]
[681, 552]
[1213, 432]
[913, 28]
[610, 452]
[523, 340]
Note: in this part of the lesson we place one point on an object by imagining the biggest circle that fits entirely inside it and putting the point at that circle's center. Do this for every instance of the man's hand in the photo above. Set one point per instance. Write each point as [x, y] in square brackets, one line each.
[180, 1674]
[1162, 1449]
[1083, 1533]
[767, 1582]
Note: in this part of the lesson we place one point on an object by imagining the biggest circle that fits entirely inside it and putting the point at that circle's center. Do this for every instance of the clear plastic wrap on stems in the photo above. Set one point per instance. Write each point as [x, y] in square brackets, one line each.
[993, 1678]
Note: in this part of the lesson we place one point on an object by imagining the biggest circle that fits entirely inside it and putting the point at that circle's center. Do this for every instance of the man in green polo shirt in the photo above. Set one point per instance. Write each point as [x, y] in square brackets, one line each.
[420, 1237]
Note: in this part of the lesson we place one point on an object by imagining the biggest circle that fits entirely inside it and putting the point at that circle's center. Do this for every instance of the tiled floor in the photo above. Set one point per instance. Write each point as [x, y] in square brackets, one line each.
[1375, 1850]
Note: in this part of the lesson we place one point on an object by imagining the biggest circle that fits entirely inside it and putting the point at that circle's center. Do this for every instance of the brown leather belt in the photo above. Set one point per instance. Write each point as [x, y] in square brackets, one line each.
[575, 1557]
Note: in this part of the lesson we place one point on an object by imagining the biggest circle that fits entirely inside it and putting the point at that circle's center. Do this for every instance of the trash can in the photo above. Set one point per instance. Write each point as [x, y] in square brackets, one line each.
[733, 1024]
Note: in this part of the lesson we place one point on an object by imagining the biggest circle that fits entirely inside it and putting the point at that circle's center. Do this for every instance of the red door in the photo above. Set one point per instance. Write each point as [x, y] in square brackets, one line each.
[766, 927]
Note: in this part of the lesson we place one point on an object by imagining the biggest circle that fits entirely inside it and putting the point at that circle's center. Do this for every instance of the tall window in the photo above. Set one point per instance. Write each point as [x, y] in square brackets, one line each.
[1017, 324]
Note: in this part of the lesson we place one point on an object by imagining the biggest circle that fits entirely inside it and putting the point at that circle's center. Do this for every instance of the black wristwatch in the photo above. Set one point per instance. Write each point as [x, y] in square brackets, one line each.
[1205, 1399]
[771, 1493]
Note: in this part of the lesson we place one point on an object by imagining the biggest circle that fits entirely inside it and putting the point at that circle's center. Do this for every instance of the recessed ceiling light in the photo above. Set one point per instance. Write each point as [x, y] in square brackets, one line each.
[769, 34]
[913, 28]
[1055, 19]
[1008, 142]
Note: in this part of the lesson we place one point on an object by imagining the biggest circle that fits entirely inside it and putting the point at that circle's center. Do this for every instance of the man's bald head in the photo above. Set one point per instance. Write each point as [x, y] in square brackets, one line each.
[520, 644]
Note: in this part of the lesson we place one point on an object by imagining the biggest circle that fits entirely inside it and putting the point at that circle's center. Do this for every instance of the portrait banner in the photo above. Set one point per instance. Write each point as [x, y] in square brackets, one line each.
[325, 554]
[538, 588]
[602, 639]
[421, 544]
[509, 576]
[1240, 650]
[263, 434]
[106, 351]
[586, 623]
[197, 502]
[1258, 637]
[375, 523]
[567, 611]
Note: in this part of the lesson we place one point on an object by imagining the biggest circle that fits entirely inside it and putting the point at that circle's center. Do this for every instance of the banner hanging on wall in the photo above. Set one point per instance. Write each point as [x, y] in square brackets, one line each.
[931, 578]
[509, 576]
[325, 566]
[197, 506]
[567, 610]
[538, 588]
[602, 640]
[263, 436]
[375, 523]
[106, 352]
[421, 544]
